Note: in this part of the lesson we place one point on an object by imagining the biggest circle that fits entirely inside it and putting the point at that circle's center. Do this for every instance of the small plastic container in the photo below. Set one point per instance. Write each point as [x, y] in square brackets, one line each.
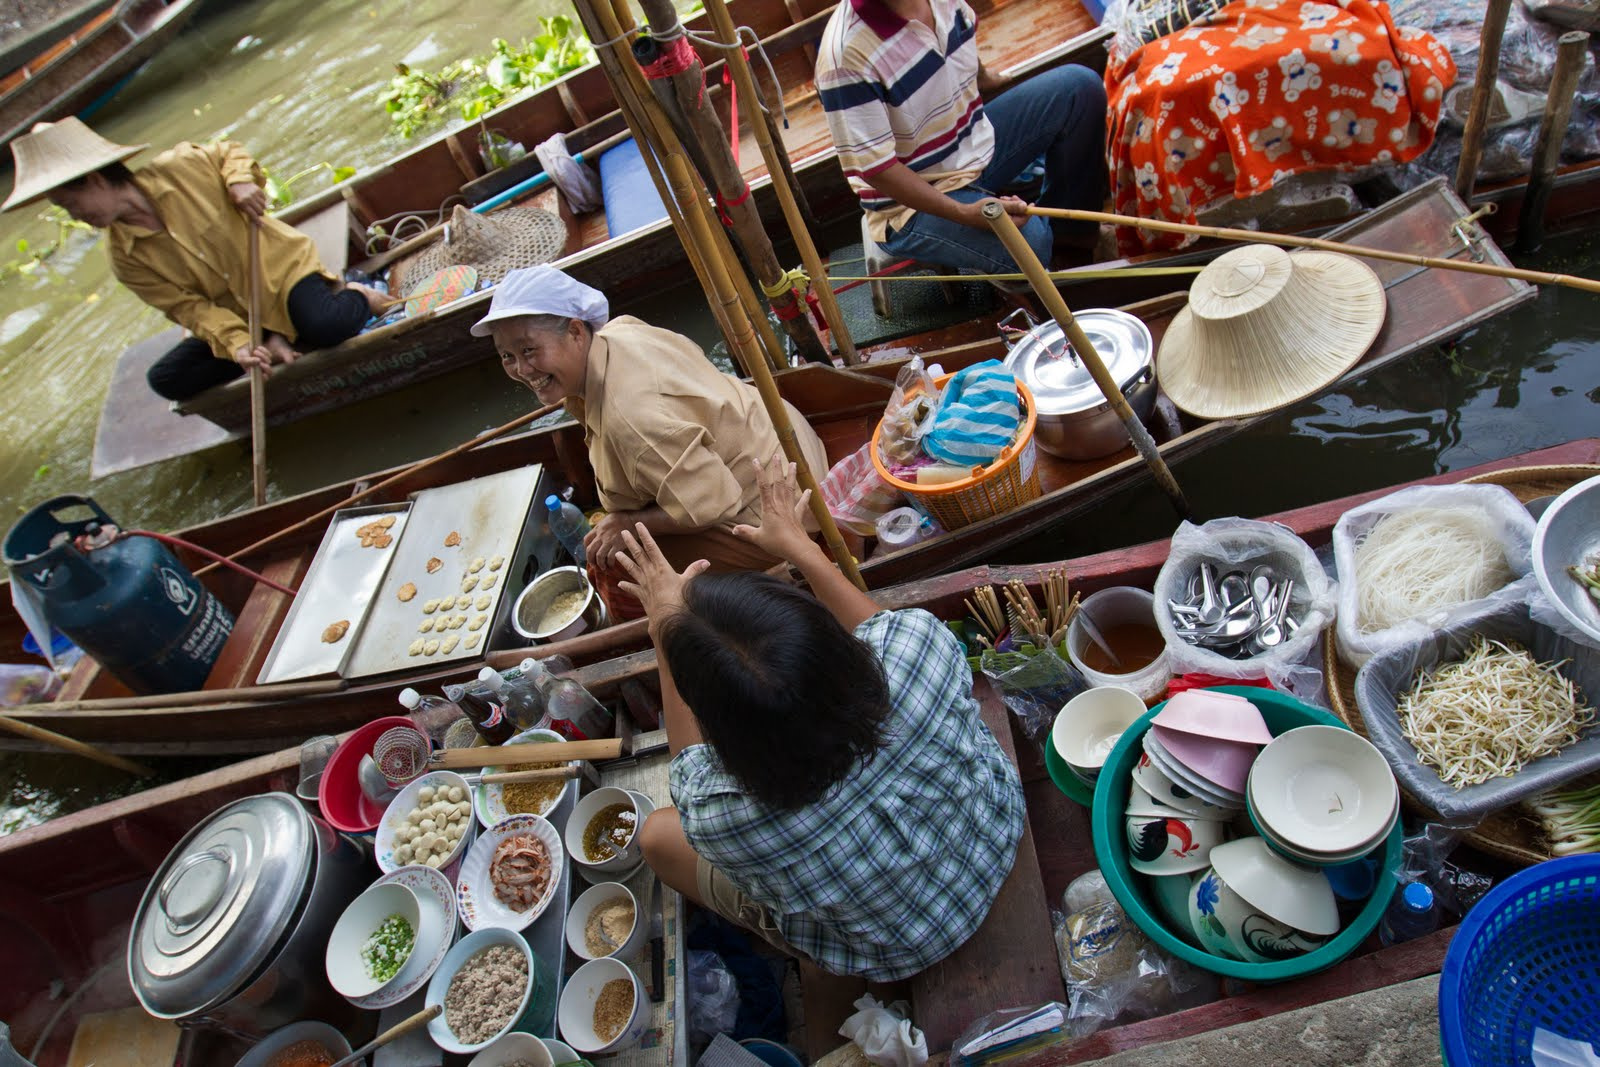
[1120, 606]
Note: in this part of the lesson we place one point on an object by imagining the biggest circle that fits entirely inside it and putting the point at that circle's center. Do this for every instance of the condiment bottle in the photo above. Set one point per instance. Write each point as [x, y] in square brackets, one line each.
[1412, 913]
[523, 701]
[433, 715]
[574, 712]
[484, 708]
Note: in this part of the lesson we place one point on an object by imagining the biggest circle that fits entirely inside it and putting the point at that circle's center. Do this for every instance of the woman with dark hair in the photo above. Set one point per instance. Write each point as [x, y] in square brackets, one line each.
[834, 789]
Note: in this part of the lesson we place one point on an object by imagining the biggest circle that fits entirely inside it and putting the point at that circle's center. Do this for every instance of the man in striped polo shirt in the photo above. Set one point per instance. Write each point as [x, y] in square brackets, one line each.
[900, 81]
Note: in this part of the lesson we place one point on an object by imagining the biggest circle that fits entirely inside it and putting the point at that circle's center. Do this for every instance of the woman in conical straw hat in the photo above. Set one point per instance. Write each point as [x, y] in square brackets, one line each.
[178, 234]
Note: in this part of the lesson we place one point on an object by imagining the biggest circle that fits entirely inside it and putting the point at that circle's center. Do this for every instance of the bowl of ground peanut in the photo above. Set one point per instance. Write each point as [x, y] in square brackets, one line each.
[604, 1007]
[605, 921]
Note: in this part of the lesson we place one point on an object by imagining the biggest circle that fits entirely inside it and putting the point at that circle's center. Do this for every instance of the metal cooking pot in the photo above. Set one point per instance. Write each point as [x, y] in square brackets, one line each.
[233, 928]
[536, 598]
[1075, 421]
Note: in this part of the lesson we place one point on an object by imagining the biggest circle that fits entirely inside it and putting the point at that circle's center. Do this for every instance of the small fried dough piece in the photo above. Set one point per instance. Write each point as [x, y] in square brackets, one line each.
[386, 522]
[458, 622]
[496, 563]
[425, 626]
[448, 645]
[335, 631]
[469, 583]
[434, 563]
[430, 647]
[472, 641]
[475, 566]
[490, 582]
[430, 606]
[406, 593]
[416, 647]
[483, 603]
[452, 539]
[382, 540]
[477, 624]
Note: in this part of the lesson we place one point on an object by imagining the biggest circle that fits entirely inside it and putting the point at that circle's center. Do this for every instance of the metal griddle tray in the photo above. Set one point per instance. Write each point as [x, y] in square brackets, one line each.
[489, 514]
[339, 585]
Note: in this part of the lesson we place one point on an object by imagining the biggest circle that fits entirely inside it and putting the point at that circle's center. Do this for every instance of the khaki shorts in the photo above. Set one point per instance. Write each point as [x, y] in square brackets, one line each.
[732, 903]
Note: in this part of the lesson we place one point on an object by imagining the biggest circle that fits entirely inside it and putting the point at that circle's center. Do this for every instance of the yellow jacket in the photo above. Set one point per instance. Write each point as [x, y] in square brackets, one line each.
[196, 271]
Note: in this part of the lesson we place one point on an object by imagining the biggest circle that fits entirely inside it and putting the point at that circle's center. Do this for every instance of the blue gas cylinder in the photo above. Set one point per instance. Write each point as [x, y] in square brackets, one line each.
[127, 602]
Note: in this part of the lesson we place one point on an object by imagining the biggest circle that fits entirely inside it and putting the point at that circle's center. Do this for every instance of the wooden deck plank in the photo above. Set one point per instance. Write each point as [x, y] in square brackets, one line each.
[1012, 957]
[137, 427]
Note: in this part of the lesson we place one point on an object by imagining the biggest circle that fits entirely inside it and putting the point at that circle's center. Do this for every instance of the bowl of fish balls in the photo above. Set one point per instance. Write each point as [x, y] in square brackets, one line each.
[429, 822]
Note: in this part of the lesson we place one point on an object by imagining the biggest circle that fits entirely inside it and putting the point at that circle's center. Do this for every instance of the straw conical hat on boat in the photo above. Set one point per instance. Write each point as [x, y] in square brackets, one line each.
[54, 153]
[1264, 328]
[493, 245]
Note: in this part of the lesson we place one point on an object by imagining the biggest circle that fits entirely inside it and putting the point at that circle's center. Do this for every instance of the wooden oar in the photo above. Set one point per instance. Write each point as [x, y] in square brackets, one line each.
[1005, 229]
[512, 755]
[72, 745]
[1536, 277]
[421, 465]
[258, 375]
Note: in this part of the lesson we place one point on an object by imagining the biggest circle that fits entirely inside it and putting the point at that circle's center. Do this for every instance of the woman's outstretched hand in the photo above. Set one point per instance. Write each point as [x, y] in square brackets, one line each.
[657, 586]
[782, 532]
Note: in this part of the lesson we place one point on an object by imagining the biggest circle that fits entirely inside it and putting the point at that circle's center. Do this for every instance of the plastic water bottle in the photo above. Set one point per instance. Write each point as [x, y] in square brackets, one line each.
[433, 715]
[523, 701]
[568, 524]
[573, 710]
[1412, 913]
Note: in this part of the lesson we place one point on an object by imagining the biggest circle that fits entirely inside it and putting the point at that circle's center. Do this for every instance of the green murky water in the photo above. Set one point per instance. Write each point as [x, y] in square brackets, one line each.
[298, 83]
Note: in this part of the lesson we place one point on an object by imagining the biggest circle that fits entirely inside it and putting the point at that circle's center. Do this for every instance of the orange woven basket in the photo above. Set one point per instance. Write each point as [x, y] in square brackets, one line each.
[1010, 481]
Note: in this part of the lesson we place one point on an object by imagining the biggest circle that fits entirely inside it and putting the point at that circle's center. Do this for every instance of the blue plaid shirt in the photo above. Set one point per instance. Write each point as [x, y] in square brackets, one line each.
[894, 869]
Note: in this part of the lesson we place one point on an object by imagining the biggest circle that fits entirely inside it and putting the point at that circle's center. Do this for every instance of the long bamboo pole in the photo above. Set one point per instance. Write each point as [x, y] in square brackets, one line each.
[1005, 229]
[422, 465]
[1494, 29]
[192, 698]
[724, 174]
[705, 233]
[603, 24]
[1493, 270]
[1571, 51]
[774, 155]
[258, 376]
[72, 745]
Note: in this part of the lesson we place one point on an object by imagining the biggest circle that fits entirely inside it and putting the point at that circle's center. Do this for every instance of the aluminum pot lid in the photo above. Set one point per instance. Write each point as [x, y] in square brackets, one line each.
[1044, 361]
[219, 905]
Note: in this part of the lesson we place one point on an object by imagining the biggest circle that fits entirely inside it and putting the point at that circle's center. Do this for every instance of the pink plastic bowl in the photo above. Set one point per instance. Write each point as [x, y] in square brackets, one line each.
[339, 796]
[1227, 763]
[1216, 715]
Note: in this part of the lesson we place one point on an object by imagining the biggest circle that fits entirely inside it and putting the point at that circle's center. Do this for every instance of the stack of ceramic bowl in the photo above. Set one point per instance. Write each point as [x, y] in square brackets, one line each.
[1202, 745]
[1253, 905]
[1323, 796]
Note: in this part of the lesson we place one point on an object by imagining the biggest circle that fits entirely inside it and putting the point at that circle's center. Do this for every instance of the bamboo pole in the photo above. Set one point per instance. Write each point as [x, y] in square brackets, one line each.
[602, 24]
[1005, 229]
[1493, 270]
[195, 697]
[724, 175]
[72, 745]
[774, 155]
[422, 465]
[706, 234]
[1571, 51]
[1494, 29]
[258, 375]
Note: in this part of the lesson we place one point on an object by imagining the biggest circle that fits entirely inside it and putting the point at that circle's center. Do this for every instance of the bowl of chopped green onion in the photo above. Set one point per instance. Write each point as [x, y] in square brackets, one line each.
[373, 939]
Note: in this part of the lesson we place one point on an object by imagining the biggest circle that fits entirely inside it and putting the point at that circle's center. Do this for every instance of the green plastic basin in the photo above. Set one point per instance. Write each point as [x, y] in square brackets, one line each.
[1132, 890]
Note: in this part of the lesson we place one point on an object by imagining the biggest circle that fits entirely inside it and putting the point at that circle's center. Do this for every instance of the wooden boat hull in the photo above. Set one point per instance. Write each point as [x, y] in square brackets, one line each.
[68, 888]
[80, 75]
[842, 405]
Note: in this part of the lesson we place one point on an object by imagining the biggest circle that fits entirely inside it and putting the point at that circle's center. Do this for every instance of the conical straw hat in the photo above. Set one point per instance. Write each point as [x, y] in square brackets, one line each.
[1264, 328]
[55, 153]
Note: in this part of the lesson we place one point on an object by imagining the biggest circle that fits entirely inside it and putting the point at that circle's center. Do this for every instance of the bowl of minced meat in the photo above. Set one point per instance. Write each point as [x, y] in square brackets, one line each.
[485, 984]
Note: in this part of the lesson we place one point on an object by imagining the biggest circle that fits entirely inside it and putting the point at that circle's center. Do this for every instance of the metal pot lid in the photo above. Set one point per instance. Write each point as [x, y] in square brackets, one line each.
[219, 905]
[1045, 362]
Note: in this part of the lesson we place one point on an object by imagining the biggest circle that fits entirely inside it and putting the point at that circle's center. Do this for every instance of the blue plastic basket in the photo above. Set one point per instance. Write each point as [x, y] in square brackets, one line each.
[1528, 955]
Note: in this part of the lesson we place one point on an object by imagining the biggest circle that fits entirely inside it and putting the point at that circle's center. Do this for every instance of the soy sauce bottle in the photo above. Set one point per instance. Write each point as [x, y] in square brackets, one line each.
[487, 712]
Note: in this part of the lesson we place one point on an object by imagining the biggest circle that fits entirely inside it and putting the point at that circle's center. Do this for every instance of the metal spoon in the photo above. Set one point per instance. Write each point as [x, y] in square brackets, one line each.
[1272, 634]
[1235, 589]
[1211, 610]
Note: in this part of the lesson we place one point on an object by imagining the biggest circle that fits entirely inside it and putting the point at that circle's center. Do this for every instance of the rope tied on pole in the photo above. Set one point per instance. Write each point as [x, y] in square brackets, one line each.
[675, 57]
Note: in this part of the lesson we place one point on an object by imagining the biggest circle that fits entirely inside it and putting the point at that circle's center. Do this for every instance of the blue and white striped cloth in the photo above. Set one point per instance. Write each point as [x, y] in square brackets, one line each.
[977, 418]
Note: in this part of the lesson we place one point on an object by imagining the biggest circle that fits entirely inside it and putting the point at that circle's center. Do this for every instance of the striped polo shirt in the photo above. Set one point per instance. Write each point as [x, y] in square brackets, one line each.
[896, 91]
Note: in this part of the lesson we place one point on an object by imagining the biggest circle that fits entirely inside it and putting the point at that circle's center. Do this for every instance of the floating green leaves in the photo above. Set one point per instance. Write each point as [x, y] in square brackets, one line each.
[30, 257]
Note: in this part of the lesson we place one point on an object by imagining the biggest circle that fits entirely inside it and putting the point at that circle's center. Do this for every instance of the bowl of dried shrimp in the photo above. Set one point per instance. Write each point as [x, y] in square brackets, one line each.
[496, 802]
[1484, 712]
[510, 874]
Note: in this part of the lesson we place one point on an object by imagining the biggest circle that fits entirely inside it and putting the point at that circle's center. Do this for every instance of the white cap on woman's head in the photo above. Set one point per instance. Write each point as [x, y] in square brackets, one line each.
[543, 290]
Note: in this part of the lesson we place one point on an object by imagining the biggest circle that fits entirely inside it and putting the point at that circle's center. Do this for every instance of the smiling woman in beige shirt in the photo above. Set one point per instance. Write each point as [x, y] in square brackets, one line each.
[672, 439]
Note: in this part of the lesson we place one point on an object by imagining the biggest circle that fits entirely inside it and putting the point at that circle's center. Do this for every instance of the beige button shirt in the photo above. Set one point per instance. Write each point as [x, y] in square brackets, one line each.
[197, 270]
[666, 427]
